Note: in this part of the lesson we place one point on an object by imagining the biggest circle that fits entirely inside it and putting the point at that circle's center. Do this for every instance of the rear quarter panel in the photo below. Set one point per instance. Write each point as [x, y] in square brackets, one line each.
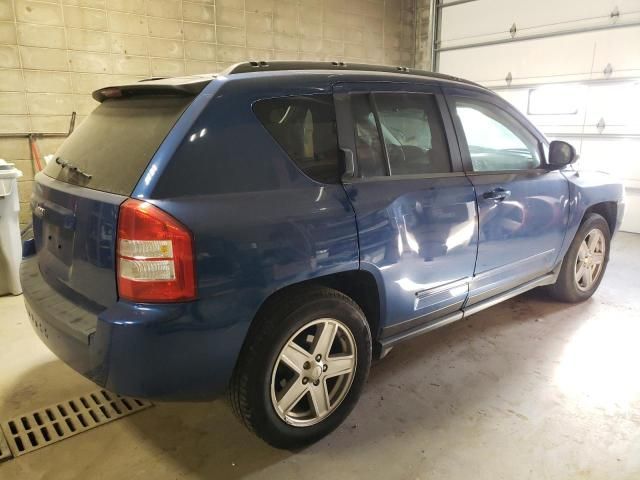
[259, 223]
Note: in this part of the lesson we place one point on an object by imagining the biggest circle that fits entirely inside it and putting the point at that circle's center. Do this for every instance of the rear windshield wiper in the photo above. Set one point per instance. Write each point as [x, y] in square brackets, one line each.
[72, 168]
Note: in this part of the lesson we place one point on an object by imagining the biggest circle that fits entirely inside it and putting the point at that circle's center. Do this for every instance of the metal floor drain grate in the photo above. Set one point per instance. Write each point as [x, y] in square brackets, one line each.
[5, 453]
[27, 433]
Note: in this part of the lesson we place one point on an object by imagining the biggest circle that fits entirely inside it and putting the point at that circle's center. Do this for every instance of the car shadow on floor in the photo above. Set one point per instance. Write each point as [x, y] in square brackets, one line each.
[205, 439]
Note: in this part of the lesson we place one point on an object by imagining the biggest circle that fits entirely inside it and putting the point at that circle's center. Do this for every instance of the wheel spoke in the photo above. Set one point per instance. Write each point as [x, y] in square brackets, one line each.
[341, 365]
[583, 250]
[325, 339]
[320, 399]
[292, 395]
[295, 356]
[580, 272]
[597, 258]
[588, 277]
[593, 241]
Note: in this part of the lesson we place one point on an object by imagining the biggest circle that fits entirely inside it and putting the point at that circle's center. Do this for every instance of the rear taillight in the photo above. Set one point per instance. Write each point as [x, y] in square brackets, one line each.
[155, 261]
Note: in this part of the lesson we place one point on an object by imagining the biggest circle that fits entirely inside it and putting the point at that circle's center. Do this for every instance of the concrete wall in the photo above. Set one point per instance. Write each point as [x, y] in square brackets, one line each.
[54, 53]
[423, 34]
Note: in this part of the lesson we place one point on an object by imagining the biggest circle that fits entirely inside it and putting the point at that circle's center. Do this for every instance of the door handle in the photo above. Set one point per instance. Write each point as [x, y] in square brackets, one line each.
[349, 165]
[497, 194]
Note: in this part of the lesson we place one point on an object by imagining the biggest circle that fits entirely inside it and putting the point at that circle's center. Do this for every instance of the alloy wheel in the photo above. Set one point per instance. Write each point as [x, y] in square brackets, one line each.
[313, 372]
[590, 260]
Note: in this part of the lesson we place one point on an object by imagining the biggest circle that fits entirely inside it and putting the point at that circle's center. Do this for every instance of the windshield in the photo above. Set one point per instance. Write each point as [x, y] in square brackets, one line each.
[111, 149]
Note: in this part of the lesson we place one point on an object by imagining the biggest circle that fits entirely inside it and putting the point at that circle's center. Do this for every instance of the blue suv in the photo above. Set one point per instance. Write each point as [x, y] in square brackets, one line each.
[270, 229]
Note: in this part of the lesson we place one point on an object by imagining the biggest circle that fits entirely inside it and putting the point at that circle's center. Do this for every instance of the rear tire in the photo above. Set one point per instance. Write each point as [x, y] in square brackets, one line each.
[303, 367]
[585, 262]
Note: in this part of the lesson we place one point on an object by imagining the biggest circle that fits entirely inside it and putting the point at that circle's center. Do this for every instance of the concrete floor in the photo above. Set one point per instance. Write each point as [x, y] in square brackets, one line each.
[528, 389]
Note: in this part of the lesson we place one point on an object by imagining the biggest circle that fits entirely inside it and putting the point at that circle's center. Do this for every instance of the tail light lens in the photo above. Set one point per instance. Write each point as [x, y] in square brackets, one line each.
[155, 260]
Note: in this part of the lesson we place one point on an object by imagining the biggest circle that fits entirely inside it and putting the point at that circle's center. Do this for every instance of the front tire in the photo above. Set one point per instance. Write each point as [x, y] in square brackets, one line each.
[585, 262]
[303, 367]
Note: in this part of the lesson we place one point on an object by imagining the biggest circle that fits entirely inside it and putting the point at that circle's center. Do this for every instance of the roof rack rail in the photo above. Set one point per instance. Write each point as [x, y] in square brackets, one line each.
[281, 65]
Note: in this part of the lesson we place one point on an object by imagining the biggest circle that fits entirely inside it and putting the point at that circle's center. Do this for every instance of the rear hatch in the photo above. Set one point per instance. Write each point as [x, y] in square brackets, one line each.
[77, 197]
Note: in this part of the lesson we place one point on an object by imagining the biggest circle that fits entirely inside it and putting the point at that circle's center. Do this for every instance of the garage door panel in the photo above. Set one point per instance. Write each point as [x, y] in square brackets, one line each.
[566, 58]
[517, 97]
[614, 156]
[597, 70]
[561, 58]
[617, 104]
[542, 16]
[621, 49]
[566, 124]
[539, 104]
[614, 103]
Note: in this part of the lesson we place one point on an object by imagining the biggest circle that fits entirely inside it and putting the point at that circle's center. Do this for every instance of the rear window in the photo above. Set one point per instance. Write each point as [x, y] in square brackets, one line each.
[114, 145]
[305, 127]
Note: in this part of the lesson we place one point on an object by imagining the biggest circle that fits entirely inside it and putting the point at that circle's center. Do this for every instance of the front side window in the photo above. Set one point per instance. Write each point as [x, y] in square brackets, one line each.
[413, 133]
[496, 140]
[305, 127]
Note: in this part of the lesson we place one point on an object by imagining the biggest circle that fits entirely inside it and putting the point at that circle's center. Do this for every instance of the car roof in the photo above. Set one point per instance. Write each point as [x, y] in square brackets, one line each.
[194, 84]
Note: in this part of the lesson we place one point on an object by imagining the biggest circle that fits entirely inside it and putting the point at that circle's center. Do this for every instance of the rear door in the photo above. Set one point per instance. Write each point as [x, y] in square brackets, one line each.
[76, 198]
[523, 207]
[415, 208]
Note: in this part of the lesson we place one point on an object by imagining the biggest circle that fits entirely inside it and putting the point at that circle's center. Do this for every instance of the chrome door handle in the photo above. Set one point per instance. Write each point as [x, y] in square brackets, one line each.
[497, 194]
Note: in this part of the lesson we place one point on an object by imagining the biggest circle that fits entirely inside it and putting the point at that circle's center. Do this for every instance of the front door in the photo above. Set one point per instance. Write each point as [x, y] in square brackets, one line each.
[523, 206]
[415, 208]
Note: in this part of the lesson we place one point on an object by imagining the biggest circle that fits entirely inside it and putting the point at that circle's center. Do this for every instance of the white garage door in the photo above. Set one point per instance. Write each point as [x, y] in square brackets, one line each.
[572, 66]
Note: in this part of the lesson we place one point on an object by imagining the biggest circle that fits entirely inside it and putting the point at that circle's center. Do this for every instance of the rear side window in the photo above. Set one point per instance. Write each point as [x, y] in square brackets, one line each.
[114, 145]
[305, 127]
[411, 128]
[413, 133]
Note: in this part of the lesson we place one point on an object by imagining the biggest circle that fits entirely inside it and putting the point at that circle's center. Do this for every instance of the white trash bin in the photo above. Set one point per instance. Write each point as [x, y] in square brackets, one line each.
[10, 241]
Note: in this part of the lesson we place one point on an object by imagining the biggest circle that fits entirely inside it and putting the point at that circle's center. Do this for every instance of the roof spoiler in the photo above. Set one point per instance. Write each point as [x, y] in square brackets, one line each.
[191, 87]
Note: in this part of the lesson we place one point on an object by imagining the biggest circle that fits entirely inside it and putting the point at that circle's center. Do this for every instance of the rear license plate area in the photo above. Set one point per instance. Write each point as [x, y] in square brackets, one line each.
[58, 242]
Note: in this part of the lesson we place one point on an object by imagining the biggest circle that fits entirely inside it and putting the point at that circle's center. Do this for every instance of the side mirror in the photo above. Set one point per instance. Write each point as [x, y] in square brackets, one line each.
[561, 154]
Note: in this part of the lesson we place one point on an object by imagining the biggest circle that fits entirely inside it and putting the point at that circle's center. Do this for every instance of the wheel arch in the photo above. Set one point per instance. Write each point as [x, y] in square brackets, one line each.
[608, 210]
[359, 285]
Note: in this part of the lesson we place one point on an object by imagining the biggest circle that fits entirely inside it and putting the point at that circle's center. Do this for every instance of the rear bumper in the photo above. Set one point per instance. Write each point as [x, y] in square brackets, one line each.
[183, 351]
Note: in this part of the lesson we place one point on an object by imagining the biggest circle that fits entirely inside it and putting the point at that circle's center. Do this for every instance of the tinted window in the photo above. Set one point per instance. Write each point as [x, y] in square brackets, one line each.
[413, 133]
[371, 161]
[305, 127]
[496, 140]
[116, 142]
